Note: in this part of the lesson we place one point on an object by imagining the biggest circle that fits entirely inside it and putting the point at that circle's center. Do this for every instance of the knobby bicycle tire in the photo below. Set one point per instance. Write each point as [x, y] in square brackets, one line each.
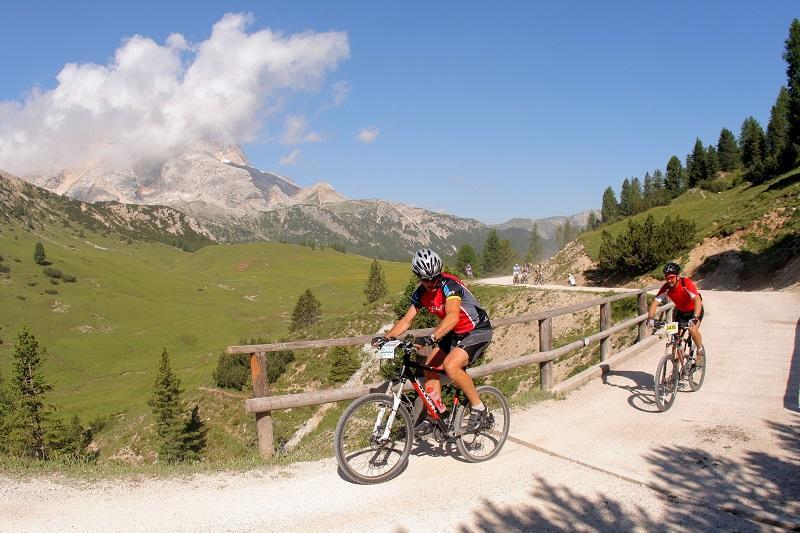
[485, 442]
[697, 375]
[665, 382]
[362, 457]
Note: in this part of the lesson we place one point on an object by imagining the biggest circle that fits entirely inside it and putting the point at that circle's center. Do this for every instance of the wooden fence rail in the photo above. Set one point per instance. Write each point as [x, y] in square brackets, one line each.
[262, 404]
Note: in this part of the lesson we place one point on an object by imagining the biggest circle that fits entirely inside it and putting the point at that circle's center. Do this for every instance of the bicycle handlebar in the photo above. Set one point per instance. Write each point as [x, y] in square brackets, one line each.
[661, 323]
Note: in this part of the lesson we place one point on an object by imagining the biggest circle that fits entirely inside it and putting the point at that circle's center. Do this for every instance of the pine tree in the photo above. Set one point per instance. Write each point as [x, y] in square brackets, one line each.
[492, 254]
[658, 180]
[466, 256]
[592, 223]
[610, 208]
[535, 245]
[696, 165]
[30, 413]
[728, 151]
[5, 416]
[649, 187]
[712, 162]
[306, 311]
[674, 182]
[779, 158]
[753, 143]
[637, 196]
[792, 57]
[194, 436]
[38, 254]
[376, 283]
[167, 410]
[424, 318]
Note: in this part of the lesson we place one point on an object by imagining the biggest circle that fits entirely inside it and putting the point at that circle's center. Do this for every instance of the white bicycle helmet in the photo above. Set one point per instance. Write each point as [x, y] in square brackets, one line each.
[426, 264]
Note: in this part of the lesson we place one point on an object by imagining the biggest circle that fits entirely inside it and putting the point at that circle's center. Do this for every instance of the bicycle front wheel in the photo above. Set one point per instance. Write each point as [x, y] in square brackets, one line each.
[484, 442]
[666, 382]
[696, 375]
[372, 445]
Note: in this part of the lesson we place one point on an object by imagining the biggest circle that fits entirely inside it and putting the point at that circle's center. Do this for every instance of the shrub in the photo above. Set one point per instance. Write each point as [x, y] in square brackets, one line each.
[51, 272]
[54, 281]
[232, 371]
[69, 279]
[51, 291]
[31, 283]
[4, 269]
[343, 364]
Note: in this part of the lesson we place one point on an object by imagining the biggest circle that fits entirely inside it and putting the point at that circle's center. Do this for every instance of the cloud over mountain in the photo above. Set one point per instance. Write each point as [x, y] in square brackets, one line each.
[155, 99]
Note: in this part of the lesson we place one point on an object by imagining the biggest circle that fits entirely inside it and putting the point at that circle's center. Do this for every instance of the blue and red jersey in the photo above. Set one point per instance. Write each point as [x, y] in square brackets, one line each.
[470, 316]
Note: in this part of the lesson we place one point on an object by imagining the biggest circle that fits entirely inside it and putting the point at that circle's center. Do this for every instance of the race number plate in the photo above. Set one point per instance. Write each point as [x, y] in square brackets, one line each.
[387, 350]
[671, 327]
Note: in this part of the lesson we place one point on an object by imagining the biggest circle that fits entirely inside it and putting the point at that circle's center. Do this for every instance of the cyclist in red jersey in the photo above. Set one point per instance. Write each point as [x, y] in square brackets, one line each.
[461, 336]
[688, 305]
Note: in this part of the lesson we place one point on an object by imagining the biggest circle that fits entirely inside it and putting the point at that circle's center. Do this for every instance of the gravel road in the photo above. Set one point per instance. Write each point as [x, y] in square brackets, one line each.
[726, 457]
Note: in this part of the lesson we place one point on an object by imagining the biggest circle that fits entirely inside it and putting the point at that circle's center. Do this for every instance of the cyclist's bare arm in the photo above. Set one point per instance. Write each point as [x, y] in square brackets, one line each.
[402, 325]
[452, 309]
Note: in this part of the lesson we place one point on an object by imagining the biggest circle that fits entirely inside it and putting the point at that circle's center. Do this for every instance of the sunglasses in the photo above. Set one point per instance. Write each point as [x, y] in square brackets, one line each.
[670, 277]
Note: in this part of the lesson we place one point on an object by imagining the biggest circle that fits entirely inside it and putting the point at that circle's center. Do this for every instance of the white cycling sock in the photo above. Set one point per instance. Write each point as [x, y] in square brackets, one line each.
[479, 407]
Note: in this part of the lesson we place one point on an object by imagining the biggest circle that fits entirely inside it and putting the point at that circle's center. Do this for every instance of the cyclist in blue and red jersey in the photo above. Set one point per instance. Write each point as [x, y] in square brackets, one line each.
[688, 304]
[461, 336]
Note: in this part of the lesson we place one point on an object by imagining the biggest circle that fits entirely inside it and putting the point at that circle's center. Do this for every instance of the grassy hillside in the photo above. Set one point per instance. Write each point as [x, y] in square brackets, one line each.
[724, 213]
[104, 333]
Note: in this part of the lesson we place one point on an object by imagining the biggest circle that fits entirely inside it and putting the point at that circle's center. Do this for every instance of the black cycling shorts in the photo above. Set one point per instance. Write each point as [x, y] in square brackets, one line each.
[688, 315]
[473, 342]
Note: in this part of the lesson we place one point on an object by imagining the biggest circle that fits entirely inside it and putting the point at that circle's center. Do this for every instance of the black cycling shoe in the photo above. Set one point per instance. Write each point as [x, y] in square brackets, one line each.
[423, 428]
[479, 419]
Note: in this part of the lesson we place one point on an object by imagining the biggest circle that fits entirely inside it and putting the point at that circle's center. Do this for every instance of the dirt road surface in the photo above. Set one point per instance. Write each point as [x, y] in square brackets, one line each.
[603, 459]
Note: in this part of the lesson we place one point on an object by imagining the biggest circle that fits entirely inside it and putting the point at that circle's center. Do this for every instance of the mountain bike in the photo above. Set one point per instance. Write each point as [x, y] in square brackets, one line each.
[676, 365]
[375, 433]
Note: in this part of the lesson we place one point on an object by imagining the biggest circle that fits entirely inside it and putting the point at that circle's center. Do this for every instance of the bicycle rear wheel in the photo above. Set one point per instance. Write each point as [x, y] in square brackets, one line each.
[485, 442]
[665, 384]
[364, 455]
[696, 375]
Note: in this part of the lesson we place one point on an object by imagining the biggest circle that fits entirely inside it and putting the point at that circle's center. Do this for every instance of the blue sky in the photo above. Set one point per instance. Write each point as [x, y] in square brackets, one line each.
[488, 110]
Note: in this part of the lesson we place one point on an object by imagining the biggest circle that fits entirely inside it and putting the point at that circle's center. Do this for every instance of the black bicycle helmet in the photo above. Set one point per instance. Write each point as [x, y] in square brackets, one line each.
[672, 268]
[426, 264]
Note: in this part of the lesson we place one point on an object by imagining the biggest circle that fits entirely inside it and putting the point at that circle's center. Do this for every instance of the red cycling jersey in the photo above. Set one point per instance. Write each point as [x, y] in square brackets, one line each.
[470, 316]
[682, 294]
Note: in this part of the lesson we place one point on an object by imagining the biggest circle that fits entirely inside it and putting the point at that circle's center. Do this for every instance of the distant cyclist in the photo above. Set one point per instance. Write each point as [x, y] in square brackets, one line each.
[461, 336]
[688, 305]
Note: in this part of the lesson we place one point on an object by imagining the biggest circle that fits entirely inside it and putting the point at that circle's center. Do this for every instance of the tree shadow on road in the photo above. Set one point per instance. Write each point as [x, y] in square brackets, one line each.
[791, 398]
[703, 492]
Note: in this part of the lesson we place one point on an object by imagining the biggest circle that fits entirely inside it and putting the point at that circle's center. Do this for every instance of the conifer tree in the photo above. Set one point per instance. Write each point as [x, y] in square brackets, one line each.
[166, 406]
[194, 437]
[712, 162]
[753, 143]
[696, 165]
[610, 208]
[637, 196]
[5, 416]
[38, 253]
[492, 254]
[535, 246]
[376, 283]
[648, 187]
[792, 57]
[306, 312]
[778, 157]
[592, 221]
[30, 413]
[727, 151]
[658, 180]
[674, 181]
[466, 256]
[424, 318]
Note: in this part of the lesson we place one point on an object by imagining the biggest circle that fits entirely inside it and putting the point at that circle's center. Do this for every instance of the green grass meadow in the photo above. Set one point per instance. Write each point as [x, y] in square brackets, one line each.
[104, 334]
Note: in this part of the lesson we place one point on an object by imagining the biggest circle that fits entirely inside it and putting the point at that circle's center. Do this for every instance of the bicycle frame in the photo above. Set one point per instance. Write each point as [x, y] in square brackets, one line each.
[679, 343]
[407, 375]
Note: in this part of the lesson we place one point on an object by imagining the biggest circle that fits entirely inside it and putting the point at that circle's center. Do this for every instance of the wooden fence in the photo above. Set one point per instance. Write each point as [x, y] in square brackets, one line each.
[262, 404]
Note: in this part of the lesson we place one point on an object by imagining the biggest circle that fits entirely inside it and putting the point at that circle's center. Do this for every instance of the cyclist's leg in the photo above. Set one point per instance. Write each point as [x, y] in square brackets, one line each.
[465, 350]
[432, 379]
[694, 331]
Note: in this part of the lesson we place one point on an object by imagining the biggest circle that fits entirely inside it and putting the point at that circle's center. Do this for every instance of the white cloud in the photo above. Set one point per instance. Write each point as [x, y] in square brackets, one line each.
[297, 131]
[291, 158]
[368, 134]
[154, 99]
[341, 90]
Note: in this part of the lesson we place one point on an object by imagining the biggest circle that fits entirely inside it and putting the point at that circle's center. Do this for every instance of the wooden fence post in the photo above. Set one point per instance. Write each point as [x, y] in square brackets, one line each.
[545, 345]
[258, 371]
[642, 310]
[605, 323]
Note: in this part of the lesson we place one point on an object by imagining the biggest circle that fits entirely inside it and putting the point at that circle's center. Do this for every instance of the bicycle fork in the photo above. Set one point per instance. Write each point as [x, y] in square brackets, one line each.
[390, 420]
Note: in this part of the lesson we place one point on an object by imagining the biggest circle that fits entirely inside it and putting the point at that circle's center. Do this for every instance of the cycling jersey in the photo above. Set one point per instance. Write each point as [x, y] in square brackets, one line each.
[682, 294]
[470, 316]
